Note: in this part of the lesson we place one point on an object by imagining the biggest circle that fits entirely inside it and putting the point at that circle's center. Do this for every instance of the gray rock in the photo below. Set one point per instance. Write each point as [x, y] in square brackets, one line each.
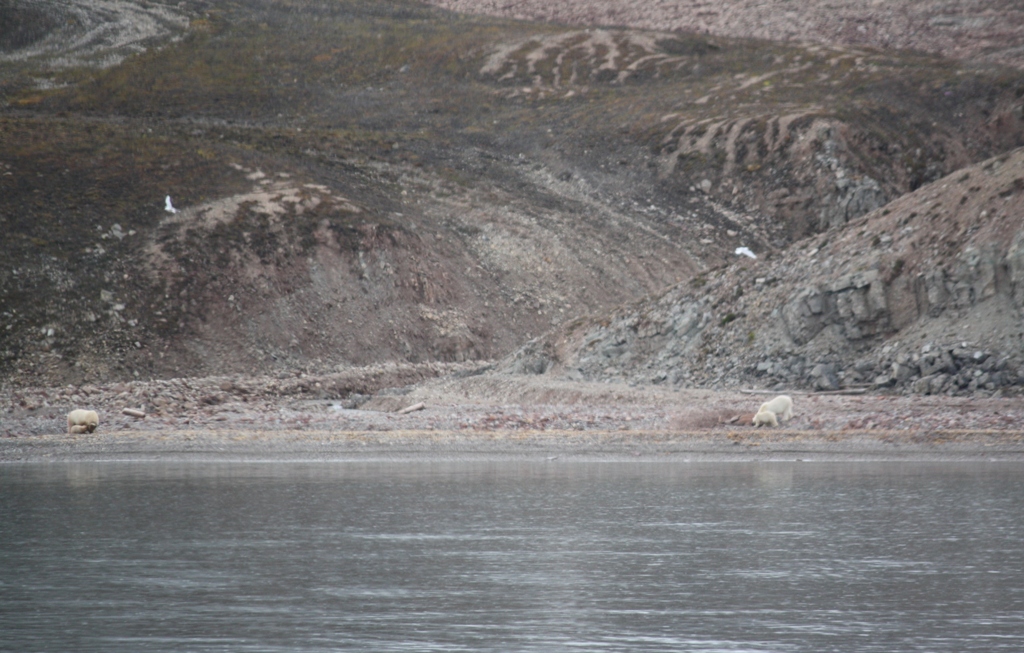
[938, 383]
[923, 386]
[803, 315]
[929, 364]
[1012, 377]
[937, 361]
[853, 198]
[1015, 266]
[949, 366]
[864, 366]
[823, 377]
[933, 291]
[796, 365]
[961, 354]
[975, 276]
[901, 372]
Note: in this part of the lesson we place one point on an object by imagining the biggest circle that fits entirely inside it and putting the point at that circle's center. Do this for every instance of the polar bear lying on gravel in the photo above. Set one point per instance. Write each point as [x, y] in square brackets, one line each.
[772, 412]
[83, 421]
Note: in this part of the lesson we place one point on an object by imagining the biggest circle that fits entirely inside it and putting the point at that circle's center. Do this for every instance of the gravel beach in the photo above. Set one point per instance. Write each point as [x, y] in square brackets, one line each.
[464, 415]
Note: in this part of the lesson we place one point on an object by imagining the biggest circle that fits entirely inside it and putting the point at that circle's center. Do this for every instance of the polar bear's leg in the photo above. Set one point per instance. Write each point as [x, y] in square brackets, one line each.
[787, 412]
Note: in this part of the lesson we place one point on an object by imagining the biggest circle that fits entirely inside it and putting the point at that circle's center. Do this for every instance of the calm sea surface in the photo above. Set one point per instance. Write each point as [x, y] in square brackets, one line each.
[512, 556]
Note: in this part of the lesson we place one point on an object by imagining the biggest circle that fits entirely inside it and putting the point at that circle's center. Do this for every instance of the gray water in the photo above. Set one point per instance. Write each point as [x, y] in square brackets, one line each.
[512, 556]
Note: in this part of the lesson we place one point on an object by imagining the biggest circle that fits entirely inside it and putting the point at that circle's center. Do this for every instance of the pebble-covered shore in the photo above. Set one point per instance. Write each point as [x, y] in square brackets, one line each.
[473, 414]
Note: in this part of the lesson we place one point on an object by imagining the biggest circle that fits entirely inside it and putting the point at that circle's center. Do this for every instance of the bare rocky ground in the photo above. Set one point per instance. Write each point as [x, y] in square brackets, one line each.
[468, 412]
[99, 33]
[982, 30]
[381, 213]
[938, 272]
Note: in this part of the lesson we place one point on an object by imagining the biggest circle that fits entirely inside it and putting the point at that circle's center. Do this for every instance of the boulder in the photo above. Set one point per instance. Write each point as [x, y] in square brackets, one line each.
[883, 381]
[823, 377]
[902, 373]
[922, 386]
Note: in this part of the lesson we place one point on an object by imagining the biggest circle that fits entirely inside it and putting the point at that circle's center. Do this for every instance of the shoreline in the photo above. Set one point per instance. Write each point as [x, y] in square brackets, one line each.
[552, 446]
[497, 416]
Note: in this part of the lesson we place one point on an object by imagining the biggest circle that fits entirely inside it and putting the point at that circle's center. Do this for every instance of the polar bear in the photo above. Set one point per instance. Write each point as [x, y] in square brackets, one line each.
[765, 418]
[772, 412]
[83, 421]
[782, 406]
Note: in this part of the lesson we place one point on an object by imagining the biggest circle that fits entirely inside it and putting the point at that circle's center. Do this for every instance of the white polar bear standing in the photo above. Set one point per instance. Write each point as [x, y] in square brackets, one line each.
[83, 421]
[782, 406]
[772, 412]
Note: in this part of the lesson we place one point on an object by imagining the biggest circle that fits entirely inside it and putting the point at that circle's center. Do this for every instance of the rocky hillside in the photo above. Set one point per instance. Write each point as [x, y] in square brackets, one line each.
[982, 30]
[925, 295]
[356, 182]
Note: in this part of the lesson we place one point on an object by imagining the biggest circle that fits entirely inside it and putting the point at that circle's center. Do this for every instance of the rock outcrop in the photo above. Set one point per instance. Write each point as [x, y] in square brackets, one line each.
[925, 295]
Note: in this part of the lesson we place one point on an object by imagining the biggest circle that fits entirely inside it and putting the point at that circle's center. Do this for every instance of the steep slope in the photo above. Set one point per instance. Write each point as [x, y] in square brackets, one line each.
[360, 182]
[925, 295]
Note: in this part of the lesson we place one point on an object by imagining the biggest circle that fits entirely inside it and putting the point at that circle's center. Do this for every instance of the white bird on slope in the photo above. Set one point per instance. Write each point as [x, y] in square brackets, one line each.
[168, 207]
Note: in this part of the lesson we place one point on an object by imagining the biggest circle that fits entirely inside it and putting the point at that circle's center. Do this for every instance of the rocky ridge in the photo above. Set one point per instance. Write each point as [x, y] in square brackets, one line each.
[922, 296]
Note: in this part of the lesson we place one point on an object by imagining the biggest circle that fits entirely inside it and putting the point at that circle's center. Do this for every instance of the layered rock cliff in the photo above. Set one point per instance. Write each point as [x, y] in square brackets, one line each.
[924, 295]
